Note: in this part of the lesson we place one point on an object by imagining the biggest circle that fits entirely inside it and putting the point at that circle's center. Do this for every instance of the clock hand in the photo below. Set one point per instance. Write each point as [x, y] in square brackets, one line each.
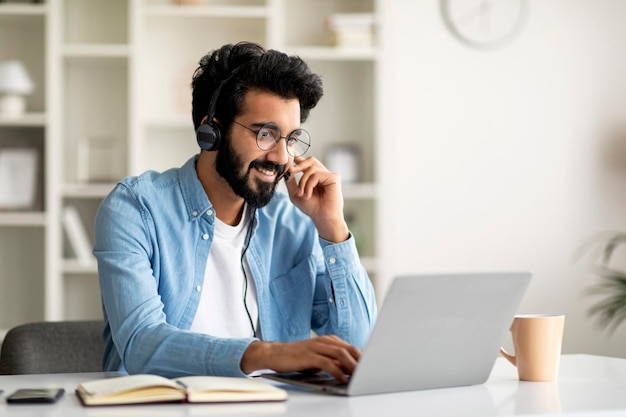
[485, 13]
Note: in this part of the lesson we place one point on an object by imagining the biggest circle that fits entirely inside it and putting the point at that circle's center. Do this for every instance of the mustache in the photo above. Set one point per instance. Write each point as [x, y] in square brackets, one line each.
[281, 170]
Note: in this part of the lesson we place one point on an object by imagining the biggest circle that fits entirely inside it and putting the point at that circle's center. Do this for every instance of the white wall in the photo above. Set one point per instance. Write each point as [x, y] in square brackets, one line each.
[499, 159]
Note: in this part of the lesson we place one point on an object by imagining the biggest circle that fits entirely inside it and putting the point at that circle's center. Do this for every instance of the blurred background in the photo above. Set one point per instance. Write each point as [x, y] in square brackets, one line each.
[472, 135]
[511, 157]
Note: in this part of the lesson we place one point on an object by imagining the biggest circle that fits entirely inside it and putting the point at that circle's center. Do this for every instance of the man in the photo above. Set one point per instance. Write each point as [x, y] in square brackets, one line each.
[205, 269]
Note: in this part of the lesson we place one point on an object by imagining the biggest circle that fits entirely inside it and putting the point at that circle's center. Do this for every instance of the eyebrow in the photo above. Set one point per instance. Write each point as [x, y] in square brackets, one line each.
[274, 126]
[268, 124]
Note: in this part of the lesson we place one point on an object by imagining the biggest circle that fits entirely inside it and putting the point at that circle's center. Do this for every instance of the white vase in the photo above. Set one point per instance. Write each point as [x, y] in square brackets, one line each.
[12, 105]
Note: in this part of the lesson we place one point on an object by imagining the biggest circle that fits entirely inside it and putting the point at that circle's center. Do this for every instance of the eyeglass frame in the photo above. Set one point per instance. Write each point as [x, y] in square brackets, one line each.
[272, 127]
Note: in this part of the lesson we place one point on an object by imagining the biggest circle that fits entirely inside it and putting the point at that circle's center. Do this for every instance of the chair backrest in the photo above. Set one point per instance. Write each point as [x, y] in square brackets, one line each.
[53, 347]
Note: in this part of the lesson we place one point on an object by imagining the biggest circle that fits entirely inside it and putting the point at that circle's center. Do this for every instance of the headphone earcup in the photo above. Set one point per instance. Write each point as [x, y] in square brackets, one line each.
[208, 134]
[208, 137]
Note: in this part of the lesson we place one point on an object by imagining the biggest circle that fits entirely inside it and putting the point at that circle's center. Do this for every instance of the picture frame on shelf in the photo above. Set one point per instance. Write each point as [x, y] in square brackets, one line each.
[19, 178]
[95, 159]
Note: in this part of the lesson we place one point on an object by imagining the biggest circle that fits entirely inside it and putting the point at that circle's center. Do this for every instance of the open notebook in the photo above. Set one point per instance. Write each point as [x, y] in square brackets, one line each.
[433, 331]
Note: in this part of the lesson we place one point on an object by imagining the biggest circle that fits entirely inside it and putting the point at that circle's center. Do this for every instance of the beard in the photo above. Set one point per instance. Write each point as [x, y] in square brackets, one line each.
[229, 164]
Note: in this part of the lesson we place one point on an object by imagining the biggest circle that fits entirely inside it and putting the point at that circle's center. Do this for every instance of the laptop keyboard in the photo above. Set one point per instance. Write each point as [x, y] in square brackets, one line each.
[319, 379]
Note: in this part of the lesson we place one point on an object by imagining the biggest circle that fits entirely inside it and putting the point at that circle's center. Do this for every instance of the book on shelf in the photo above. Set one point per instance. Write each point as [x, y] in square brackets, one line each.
[352, 29]
[77, 235]
[147, 388]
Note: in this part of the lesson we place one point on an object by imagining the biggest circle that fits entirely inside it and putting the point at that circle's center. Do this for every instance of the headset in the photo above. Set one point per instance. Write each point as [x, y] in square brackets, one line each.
[209, 134]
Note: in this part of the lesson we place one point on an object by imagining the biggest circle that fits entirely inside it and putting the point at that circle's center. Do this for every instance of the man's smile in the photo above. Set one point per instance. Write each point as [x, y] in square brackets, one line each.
[267, 171]
[268, 174]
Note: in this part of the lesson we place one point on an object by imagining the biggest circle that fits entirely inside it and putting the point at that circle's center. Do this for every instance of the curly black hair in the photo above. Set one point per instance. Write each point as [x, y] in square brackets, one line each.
[256, 68]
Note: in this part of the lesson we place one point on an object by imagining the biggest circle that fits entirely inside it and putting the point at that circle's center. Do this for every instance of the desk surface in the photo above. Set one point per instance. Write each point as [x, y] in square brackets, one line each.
[587, 385]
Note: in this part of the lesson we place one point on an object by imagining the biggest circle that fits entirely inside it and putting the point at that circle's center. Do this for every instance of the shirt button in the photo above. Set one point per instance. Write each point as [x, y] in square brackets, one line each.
[194, 213]
[209, 212]
[332, 260]
[198, 288]
[205, 236]
[330, 300]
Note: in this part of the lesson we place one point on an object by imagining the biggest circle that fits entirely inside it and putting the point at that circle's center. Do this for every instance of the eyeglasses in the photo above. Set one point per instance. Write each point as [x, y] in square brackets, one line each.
[268, 136]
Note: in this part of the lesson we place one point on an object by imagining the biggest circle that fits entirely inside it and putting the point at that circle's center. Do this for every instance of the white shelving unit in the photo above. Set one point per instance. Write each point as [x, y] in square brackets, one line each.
[23, 232]
[118, 71]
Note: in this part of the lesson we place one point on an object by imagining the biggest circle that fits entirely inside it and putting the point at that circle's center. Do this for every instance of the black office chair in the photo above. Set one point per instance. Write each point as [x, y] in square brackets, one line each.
[53, 347]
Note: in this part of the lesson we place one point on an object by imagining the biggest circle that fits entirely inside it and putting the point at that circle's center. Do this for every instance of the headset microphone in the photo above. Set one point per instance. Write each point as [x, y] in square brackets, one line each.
[286, 174]
[208, 134]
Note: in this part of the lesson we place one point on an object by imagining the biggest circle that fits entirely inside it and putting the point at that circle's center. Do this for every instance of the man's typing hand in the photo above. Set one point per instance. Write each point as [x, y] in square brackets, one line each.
[325, 353]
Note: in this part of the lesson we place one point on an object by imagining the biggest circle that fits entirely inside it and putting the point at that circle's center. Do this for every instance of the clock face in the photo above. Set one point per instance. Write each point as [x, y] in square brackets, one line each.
[484, 23]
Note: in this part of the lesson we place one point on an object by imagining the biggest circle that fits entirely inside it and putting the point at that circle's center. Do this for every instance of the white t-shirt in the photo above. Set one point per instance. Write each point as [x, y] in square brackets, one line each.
[222, 311]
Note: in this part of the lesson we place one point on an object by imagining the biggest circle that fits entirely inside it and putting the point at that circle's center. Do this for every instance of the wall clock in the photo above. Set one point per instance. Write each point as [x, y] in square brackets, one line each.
[484, 24]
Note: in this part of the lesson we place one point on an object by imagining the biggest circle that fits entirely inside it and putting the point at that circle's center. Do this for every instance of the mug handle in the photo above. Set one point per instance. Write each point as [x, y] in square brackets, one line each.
[508, 357]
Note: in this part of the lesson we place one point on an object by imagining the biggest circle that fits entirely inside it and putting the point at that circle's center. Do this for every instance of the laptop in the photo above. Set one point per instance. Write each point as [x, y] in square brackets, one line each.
[433, 331]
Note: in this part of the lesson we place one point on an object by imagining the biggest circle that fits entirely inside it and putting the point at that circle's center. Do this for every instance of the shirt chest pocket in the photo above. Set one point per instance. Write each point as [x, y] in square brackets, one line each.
[292, 295]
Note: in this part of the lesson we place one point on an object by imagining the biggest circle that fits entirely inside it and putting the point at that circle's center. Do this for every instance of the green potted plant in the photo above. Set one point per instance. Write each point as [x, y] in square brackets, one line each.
[609, 289]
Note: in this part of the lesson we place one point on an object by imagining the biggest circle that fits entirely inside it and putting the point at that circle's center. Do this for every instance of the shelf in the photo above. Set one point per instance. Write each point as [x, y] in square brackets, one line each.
[26, 120]
[360, 191]
[173, 121]
[78, 49]
[86, 50]
[72, 266]
[14, 9]
[87, 191]
[26, 218]
[331, 53]
[208, 11]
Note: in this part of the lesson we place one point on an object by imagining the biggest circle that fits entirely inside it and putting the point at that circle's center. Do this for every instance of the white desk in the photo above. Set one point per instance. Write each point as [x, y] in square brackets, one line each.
[587, 385]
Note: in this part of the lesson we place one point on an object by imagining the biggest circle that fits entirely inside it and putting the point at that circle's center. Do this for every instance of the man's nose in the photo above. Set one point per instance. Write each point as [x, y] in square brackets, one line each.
[278, 154]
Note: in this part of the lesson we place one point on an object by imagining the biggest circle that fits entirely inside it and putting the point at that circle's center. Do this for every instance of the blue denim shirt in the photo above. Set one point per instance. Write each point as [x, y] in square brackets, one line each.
[153, 237]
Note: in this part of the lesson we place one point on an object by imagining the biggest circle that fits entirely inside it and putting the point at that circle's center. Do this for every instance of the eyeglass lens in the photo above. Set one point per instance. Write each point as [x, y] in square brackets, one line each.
[298, 141]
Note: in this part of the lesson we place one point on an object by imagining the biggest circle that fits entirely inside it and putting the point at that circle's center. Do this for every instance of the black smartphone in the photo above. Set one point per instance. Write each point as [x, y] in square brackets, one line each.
[35, 395]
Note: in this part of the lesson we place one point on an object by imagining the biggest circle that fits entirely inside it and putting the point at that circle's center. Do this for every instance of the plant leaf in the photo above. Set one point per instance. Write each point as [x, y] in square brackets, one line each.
[610, 310]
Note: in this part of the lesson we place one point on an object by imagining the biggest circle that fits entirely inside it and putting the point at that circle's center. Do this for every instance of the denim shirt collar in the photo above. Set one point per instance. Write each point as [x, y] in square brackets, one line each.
[194, 195]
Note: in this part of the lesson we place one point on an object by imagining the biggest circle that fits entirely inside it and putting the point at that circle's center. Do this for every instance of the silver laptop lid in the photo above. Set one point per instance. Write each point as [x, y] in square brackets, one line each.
[439, 330]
